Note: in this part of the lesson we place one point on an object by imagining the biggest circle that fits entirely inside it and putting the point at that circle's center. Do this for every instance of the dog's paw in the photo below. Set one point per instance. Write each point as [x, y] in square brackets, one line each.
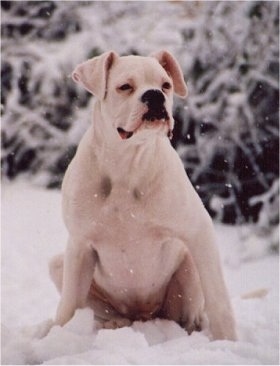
[222, 326]
[116, 323]
[195, 322]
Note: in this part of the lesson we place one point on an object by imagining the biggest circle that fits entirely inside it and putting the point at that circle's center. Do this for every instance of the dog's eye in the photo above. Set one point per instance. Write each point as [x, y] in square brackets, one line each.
[125, 87]
[166, 85]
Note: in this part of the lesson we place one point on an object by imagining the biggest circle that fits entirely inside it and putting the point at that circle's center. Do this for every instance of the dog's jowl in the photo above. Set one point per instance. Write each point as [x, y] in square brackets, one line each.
[141, 244]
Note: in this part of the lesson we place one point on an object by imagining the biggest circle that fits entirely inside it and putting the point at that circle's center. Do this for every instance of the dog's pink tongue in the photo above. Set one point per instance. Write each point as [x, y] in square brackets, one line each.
[124, 134]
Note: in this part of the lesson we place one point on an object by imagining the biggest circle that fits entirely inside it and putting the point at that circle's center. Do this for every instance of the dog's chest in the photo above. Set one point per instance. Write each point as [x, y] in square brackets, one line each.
[111, 190]
[124, 192]
[127, 192]
[120, 206]
[124, 199]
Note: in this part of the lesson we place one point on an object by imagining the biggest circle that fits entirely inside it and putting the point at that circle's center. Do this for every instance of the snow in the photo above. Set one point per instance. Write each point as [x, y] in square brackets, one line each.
[32, 232]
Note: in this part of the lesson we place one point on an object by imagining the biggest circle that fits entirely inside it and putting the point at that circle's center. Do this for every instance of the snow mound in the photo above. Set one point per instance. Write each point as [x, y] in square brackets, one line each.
[32, 233]
[152, 342]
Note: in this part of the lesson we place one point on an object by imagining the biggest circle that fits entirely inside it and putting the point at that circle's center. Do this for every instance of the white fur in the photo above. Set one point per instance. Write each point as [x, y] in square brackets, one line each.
[140, 241]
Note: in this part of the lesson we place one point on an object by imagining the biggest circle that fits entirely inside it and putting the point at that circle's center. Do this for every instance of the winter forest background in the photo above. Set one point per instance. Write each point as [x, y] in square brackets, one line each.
[226, 130]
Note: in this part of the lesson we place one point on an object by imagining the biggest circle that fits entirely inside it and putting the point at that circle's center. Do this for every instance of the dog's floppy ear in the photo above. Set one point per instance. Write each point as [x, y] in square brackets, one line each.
[93, 73]
[173, 69]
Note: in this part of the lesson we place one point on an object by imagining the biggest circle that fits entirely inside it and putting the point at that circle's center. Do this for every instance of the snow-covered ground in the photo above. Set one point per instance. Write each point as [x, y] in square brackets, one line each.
[32, 232]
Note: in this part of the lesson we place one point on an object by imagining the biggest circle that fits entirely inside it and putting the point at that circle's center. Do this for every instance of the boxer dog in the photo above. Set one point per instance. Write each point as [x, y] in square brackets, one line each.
[141, 244]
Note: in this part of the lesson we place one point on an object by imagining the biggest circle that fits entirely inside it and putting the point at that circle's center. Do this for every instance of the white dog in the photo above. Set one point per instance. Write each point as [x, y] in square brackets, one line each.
[141, 244]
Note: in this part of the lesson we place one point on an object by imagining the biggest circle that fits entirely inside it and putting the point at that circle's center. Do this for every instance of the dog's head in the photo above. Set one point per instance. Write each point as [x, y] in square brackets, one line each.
[135, 92]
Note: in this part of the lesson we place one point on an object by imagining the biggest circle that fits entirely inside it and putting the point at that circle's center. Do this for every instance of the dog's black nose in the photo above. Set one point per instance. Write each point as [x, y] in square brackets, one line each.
[153, 98]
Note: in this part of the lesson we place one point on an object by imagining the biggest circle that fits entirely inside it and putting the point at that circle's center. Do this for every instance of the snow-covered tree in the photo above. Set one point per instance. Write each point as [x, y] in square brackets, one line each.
[226, 131]
[229, 139]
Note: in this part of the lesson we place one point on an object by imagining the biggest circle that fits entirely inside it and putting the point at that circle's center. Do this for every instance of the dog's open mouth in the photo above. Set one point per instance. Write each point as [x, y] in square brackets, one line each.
[124, 134]
[147, 124]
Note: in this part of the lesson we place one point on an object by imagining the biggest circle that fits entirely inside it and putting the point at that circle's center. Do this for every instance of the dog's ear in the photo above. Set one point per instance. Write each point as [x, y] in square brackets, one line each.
[93, 73]
[173, 69]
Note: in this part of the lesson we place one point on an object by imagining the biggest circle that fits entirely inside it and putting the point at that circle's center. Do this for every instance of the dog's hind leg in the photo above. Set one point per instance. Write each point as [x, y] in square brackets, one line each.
[184, 300]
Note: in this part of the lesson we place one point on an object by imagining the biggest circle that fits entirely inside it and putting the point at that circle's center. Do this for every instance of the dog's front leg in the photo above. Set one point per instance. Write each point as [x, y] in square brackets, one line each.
[79, 264]
[217, 302]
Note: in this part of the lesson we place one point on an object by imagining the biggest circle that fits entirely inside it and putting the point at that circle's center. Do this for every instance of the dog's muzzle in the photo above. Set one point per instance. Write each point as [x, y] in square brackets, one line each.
[156, 113]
